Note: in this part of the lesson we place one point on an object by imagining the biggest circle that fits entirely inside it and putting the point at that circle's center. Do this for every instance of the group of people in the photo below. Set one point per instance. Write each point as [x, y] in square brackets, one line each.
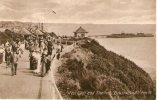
[42, 51]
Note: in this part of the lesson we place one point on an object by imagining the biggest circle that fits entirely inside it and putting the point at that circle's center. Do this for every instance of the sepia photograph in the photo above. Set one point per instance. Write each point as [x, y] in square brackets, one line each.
[78, 49]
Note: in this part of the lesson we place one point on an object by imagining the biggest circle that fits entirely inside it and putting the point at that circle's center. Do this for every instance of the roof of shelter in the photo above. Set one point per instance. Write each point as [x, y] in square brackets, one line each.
[80, 30]
[38, 32]
[24, 31]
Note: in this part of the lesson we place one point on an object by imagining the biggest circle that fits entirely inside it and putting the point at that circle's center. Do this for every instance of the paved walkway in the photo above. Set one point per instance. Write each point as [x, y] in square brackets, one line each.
[49, 84]
[25, 85]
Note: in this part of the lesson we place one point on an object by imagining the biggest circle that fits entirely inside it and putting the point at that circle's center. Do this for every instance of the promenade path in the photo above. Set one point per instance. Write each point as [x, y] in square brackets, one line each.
[49, 80]
[25, 85]
[21, 86]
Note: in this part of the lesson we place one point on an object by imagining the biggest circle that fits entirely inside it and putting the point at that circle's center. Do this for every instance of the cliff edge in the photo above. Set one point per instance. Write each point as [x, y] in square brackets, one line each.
[91, 71]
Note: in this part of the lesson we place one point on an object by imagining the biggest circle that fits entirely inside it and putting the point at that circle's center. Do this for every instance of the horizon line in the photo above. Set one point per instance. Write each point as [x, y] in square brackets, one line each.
[35, 22]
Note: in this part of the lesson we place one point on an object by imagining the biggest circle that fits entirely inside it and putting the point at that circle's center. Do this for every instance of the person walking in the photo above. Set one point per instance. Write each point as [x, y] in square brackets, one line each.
[31, 50]
[14, 63]
[8, 48]
[58, 50]
[14, 57]
[37, 58]
[49, 46]
[44, 62]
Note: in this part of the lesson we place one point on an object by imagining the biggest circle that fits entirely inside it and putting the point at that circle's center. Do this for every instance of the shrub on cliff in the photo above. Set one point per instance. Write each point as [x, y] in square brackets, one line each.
[102, 72]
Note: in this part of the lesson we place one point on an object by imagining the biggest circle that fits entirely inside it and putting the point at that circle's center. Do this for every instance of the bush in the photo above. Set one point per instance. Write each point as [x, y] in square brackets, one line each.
[105, 71]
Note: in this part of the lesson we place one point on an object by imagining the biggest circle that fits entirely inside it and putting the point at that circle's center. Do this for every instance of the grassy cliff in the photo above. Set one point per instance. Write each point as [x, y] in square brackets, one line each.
[91, 71]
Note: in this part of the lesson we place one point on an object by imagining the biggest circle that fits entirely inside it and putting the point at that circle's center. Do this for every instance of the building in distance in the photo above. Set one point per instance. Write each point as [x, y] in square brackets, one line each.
[80, 33]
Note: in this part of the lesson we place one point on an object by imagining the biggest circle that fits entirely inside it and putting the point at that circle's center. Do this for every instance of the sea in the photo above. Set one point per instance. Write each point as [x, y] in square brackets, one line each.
[141, 50]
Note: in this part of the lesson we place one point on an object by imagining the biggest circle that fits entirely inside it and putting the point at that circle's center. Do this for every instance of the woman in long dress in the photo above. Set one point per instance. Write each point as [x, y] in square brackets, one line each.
[36, 54]
[44, 62]
[41, 62]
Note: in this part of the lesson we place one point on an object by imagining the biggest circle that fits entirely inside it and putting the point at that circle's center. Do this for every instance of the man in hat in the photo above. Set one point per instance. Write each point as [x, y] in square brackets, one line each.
[31, 50]
[14, 57]
[40, 41]
[31, 60]
[49, 46]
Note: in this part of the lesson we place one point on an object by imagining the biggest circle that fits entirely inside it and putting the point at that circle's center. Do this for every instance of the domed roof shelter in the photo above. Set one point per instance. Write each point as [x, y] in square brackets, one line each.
[80, 33]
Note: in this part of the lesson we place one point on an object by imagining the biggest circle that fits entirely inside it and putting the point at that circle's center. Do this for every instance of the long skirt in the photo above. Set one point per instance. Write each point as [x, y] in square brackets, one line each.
[37, 57]
[33, 63]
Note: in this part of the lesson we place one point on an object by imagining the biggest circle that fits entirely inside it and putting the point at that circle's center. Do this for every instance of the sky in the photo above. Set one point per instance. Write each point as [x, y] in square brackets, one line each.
[79, 11]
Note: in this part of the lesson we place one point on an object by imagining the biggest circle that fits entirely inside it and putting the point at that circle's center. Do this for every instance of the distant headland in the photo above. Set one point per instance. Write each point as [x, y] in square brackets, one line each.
[129, 35]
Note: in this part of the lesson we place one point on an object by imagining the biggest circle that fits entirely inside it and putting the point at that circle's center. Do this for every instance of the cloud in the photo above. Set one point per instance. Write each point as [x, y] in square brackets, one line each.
[79, 11]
